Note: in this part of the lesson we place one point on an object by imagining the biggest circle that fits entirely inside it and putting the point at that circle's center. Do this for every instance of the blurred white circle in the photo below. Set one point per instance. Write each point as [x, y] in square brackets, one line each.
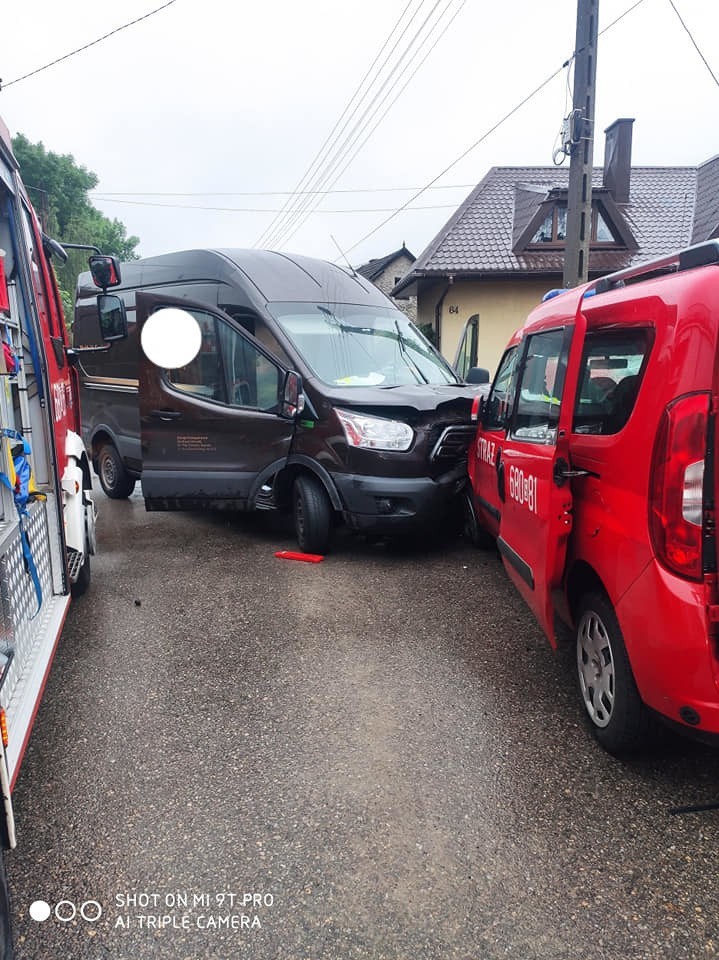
[171, 338]
[40, 910]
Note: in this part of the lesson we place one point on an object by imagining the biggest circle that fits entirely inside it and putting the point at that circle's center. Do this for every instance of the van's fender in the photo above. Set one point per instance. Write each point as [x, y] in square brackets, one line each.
[283, 470]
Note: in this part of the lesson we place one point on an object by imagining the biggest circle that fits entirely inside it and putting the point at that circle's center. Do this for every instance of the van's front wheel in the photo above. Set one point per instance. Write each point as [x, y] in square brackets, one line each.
[312, 514]
[114, 479]
[619, 719]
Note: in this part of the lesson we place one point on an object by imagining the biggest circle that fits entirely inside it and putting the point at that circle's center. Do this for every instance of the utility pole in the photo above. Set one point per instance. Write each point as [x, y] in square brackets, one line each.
[581, 126]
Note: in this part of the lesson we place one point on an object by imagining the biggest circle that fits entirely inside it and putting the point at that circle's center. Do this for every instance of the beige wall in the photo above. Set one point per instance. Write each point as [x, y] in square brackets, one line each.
[502, 306]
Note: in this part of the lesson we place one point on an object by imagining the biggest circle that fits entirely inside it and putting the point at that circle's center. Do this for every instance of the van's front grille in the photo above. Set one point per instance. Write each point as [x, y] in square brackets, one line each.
[453, 443]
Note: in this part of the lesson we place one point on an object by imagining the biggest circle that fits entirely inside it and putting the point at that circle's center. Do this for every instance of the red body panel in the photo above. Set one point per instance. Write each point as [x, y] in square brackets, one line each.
[668, 621]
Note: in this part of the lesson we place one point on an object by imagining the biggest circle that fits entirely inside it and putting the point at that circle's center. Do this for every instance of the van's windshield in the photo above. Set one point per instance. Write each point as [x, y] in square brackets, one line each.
[351, 345]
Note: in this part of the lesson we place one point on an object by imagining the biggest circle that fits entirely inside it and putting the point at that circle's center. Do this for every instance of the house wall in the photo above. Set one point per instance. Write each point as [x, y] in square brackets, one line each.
[387, 279]
[502, 306]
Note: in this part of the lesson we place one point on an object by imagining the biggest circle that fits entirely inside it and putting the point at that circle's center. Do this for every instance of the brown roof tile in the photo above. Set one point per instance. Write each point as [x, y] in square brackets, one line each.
[669, 208]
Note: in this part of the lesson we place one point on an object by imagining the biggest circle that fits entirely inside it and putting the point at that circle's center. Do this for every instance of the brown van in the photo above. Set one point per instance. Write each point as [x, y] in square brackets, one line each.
[311, 392]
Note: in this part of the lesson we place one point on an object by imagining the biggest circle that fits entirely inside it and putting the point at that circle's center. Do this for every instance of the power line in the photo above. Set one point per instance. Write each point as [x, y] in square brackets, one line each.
[188, 206]
[421, 61]
[696, 45]
[282, 233]
[484, 136]
[87, 45]
[100, 195]
[308, 172]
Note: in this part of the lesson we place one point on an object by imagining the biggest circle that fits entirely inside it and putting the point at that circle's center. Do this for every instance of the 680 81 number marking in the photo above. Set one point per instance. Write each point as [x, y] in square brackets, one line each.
[523, 489]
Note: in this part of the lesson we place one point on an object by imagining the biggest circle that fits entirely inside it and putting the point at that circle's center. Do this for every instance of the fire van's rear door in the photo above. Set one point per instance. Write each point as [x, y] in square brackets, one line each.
[536, 515]
[212, 430]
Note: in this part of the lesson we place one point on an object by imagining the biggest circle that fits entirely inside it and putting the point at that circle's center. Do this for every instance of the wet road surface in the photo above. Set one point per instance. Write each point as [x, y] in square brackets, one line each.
[373, 757]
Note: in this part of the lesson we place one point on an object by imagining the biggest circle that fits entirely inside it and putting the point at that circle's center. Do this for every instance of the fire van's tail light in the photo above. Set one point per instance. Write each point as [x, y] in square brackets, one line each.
[676, 485]
[3, 729]
[476, 404]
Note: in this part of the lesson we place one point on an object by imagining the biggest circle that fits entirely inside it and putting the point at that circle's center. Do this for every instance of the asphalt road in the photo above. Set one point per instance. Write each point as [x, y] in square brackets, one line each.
[373, 757]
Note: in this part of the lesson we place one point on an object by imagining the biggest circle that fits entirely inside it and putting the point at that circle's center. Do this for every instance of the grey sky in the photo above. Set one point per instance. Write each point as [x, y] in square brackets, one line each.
[222, 97]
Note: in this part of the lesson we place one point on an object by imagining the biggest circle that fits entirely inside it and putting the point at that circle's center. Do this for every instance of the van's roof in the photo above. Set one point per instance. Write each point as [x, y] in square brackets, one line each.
[273, 276]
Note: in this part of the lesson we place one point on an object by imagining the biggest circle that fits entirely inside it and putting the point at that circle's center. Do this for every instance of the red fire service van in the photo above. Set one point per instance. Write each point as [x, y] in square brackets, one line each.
[594, 469]
[47, 517]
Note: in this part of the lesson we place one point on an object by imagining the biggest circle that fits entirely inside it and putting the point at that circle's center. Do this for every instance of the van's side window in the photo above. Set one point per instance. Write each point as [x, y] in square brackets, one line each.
[612, 367]
[501, 397]
[260, 331]
[228, 369]
[540, 388]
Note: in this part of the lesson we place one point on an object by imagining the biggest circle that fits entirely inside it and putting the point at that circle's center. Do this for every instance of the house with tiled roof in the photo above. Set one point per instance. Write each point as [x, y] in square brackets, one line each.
[503, 248]
[386, 272]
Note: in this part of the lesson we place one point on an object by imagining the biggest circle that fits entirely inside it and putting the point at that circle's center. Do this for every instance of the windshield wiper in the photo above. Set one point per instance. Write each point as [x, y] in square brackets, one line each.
[405, 353]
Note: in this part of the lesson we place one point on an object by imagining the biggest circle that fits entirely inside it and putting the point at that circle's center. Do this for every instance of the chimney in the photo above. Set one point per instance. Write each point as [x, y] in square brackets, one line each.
[618, 158]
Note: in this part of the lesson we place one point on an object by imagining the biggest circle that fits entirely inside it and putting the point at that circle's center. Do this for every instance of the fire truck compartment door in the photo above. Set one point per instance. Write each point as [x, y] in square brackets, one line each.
[212, 428]
[536, 517]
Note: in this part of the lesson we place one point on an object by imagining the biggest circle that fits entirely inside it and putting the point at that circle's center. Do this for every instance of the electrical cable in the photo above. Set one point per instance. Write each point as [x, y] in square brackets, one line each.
[485, 135]
[280, 234]
[331, 160]
[422, 59]
[189, 206]
[87, 45]
[317, 158]
[696, 45]
[102, 194]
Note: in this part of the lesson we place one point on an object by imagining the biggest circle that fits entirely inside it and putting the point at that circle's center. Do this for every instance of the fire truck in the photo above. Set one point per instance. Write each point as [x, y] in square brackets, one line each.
[47, 516]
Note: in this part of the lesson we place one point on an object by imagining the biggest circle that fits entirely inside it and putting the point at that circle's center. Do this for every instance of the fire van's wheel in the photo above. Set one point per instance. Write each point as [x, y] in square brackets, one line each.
[618, 717]
[471, 530]
[114, 479]
[312, 513]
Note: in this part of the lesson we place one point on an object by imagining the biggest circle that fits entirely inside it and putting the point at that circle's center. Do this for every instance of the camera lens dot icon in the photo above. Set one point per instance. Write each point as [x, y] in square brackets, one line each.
[40, 910]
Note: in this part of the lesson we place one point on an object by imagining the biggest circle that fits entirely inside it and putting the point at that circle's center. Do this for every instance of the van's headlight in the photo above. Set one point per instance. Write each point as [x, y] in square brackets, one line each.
[375, 433]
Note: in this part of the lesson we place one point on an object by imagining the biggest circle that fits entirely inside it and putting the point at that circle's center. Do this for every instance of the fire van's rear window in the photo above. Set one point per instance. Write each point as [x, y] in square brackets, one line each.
[612, 370]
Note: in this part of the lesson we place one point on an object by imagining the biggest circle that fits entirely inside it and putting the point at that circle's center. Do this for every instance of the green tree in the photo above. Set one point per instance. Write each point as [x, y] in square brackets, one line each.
[58, 188]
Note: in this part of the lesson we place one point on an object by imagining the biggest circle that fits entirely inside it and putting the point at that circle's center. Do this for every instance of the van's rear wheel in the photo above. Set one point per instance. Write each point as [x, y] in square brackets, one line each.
[114, 479]
[312, 514]
[618, 718]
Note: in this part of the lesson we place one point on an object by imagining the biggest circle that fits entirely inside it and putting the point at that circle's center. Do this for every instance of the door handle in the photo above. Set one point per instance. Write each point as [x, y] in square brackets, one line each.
[166, 414]
[562, 472]
[500, 480]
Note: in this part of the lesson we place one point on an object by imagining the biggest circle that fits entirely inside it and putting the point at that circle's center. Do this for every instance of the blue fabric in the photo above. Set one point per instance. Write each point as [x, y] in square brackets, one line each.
[21, 495]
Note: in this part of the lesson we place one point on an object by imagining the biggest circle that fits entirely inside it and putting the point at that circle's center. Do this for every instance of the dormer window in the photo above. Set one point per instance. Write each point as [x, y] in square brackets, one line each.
[553, 229]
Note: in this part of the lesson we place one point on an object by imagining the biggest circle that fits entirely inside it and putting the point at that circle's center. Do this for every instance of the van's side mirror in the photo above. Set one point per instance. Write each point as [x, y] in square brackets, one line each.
[113, 317]
[105, 271]
[293, 399]
[477, 375]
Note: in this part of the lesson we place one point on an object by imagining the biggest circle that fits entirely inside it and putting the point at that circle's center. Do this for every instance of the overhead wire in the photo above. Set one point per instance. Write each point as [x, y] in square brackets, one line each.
[86, 46]
[317, 158]
[421, 58]
[101, 194]
[280, 235]
[696, 45]
[485, 135]
[190, 206]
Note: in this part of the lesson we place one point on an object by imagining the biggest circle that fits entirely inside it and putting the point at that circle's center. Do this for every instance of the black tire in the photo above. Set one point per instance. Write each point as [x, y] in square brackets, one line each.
[81, 585]
[471, 530]
[6, 941]
[312, 514]
[617, 716]
[114, 479]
